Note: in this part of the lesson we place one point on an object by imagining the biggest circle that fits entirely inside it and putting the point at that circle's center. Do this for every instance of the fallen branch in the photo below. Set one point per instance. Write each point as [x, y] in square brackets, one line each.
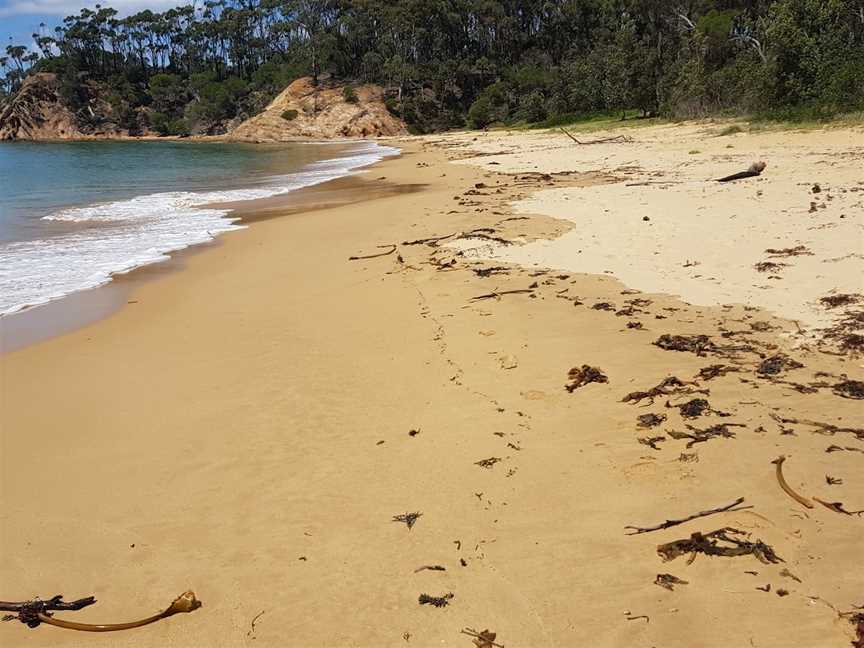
[430, 568]
[497, 294]
[671, 523]
[619, 139]
[375, 256]
[785, 486]
[485, 639]
[32, 613]
[755, 169]
[837, 507]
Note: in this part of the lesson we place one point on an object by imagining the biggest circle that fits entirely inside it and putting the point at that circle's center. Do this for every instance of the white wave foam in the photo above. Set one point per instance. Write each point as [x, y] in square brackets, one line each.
[119, 236]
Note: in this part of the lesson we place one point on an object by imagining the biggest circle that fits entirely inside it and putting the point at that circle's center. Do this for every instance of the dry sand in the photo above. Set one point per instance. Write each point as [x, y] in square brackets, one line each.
[243, 429]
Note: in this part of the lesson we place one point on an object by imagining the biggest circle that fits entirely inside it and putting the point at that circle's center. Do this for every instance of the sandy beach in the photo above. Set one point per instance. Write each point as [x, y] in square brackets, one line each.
[249, 426]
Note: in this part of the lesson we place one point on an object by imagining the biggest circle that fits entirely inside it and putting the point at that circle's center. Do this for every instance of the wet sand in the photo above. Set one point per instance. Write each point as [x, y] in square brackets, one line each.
[251, 426]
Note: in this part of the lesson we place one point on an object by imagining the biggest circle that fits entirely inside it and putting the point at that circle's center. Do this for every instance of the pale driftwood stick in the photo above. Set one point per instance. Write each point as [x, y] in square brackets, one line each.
[786, 487]
[495, 295]
[375, 256]
[671, 523]
[603, 140]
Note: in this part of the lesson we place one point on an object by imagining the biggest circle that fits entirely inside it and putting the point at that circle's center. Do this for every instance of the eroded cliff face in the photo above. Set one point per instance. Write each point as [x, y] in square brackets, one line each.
[321, 112]
[35, 112]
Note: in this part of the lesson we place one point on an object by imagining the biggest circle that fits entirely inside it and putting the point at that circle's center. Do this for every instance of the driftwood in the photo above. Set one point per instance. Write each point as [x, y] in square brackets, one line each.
[35, 612]
[755, 169]
[785, 486]
[619, 139]
[734, 506]
[497, 294]
[375, 256]
[430, 568]
[837, 507]
[822, 428]
[722, 542]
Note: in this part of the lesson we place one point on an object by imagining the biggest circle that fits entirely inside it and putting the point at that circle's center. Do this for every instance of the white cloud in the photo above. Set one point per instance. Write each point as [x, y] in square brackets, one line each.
[63, 8]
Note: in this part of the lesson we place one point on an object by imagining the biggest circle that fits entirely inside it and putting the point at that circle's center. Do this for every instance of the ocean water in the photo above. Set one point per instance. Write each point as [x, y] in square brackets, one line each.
[74, 214]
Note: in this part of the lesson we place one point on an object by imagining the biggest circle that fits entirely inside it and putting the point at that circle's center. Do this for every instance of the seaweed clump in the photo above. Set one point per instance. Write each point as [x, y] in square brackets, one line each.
[698, 344]
[726, 542]
[853, 389]
[777, 364]
[584, 375]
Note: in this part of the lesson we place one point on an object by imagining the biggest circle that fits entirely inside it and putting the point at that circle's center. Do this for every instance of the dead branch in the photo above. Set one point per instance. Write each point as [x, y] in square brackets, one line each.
[785, 486]
[485, 639]
[709, 544]
[619, 139]
[409, 519]
[755, 169]
[671, 523]
[837, 507]
[497, 294]
[823, 428]
[430, 568]
[375, 256]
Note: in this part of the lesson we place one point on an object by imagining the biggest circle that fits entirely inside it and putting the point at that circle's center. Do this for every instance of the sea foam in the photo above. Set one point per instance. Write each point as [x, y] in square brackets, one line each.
[118, 236]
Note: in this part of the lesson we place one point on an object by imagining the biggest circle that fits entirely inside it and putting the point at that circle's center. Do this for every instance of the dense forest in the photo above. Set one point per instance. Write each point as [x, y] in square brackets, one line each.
[452, 63]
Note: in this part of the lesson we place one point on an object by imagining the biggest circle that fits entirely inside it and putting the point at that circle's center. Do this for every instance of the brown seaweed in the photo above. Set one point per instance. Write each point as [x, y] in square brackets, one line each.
[584, 375]
[727, 542]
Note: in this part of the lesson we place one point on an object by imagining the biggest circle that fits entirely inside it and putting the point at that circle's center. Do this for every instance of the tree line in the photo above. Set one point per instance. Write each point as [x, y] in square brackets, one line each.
[452, 63]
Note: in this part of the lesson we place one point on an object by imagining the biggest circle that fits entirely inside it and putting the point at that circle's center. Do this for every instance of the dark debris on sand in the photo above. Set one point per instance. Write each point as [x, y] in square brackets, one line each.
[436, 601]
[726, 542]
[650, 420]
[584, 375]
[701, 436]
[409, 519]
[777, 364]
[698, 344]
[853, 389]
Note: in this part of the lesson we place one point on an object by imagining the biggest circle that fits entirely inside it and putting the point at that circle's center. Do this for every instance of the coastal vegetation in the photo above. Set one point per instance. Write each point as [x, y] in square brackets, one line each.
[454, 63]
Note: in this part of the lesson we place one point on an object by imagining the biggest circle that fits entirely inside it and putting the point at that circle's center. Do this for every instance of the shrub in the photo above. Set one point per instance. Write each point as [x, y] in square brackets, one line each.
[290, 115]
[349, 94]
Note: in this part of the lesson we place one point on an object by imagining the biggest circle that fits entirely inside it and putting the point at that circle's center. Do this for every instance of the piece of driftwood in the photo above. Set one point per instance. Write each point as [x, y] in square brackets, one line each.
[618, 139]
[803, 501]
[668, 581]
[375, 256]
[409, 519]
[436, 601]
[430, 568]
[33, 613]
[584, 375]
[734, 506]
[728, 542]
[837, 507]
[498, 293]
[754, 170]
[484, 639]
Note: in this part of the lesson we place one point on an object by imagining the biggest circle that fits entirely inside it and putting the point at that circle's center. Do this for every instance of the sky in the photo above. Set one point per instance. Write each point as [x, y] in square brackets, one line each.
[20, 18]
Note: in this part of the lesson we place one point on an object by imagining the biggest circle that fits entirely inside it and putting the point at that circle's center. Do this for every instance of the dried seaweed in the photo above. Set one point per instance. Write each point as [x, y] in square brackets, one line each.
[651, 442]
[698, 344]
[668, 387]
[777, 364]
[827, 429]
[606, 306]
[437, 601]
[584, 375]
[833, 301]
[701, 436]
[769, 266]
[695, 408]
[798, 250]
[410, 519]
[487, 463]
[713, 371]
[486, 272]
[485, 639]
[850, 389]
[726, 542]
[668, 581]
[857, 620]
[650, 420]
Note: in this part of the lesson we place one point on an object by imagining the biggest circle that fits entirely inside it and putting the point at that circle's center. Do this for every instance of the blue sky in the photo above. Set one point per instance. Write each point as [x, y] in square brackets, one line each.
[20, 18]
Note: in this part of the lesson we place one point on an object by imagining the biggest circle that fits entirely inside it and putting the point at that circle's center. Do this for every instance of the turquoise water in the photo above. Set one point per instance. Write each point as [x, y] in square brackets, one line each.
[74, 214]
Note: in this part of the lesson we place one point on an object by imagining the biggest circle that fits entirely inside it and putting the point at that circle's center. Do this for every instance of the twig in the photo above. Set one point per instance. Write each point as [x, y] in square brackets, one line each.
[430, 568]
[485, 639]
[785, 486]
[605, 140]
[375, 256]
[837, 507]
[670, 523]
[496, 294]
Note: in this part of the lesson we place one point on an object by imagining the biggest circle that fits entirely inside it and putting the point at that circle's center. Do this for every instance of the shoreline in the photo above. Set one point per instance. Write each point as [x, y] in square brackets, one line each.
[38, 322]
[252, 426]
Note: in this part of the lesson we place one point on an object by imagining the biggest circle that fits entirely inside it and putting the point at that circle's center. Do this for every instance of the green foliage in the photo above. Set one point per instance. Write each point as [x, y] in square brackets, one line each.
[289, 115]
[447, 63]
[349, 94]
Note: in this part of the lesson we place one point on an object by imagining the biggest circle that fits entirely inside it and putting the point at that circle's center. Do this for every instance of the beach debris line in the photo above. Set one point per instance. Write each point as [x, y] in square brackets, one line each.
[392, 249]
[35, 612]
[409, 519]
[803, 501]
[727, 542]
[484, 639]
[668, 581]
[734, 506]
[436, 601]
[753, 170]
[584, 375]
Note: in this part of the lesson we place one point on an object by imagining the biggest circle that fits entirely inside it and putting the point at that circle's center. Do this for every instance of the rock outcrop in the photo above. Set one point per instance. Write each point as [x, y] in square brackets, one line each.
[306, 110]
[36, 112]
